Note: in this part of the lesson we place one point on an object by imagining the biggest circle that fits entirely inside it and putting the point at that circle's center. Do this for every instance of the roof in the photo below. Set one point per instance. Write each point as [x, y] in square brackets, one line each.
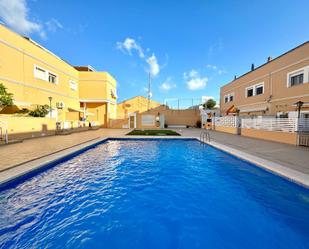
[90, 68]
[87, 68]
[268, 62]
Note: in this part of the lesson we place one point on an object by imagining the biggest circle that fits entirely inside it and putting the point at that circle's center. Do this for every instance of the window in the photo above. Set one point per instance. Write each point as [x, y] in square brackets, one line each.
[296, 79]
[259, 89]
[52, 78]
[73, 85]
[148, 120]
[254, 90]
[39, 73]
[43, 74]
[250, 92]
[229, 97]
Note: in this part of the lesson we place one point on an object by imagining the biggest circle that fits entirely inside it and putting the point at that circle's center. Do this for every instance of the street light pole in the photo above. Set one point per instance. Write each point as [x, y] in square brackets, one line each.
[149, 79]
[299, 104]
[50, 106]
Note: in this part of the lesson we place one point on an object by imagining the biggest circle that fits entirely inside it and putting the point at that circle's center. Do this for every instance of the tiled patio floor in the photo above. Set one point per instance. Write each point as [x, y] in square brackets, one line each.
[30, 149]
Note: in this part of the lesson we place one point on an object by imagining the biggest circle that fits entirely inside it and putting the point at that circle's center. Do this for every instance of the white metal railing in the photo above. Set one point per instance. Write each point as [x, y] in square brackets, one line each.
[226, 121]
[276, 124]
[4, 131]
[303, 124]
[205, 136]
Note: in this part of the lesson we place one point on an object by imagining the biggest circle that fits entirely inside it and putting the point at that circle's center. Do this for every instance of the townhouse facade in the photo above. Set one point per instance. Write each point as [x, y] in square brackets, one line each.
[36, 76]
[272, 89]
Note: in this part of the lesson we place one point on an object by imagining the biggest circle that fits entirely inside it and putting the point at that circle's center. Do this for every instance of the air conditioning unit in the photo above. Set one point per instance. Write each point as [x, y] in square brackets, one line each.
[60, 105]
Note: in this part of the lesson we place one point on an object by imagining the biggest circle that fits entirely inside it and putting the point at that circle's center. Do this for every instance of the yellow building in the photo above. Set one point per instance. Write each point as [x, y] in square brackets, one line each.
[135, 104]
[36, 76]
[97, 92]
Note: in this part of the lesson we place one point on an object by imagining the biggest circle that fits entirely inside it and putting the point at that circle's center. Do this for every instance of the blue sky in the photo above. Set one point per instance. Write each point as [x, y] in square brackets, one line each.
[191, 48]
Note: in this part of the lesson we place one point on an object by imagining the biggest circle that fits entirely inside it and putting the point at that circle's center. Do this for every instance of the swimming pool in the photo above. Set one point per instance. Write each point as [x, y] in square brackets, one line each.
[154, 194]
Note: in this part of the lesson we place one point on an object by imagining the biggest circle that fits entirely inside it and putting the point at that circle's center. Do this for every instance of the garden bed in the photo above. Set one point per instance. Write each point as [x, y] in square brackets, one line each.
[153, 133]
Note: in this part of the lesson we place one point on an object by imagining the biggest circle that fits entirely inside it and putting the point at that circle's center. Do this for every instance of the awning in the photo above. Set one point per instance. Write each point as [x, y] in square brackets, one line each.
[75, 110]
[231, 110]
[259, 108]
[81, 111]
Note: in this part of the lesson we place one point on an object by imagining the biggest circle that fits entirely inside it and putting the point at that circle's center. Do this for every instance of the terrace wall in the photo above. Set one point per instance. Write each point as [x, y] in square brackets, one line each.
[19, 127]
[188, 117]
[28, 127]
[276, 136]
[232, 130]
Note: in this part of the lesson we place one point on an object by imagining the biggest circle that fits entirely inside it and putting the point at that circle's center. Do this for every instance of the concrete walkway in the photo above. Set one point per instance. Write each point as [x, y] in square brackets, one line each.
[15, 154]
[290, 156]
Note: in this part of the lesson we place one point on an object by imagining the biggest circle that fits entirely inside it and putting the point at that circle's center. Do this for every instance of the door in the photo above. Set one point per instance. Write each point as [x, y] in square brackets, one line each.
[132, 121]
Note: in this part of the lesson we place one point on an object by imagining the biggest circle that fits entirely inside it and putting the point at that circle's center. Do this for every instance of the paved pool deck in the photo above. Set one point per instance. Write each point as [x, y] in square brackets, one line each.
[286, 160]
[31, 149]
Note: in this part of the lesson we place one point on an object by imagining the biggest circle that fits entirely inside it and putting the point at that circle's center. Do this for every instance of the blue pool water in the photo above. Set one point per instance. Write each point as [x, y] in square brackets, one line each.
[154, 194]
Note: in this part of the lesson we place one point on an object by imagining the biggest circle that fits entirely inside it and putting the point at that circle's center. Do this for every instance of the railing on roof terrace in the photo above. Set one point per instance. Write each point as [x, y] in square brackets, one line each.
[276, 124]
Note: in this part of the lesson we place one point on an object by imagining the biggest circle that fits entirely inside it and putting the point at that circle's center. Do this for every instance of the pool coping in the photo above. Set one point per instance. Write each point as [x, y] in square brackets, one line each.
[24, 170]
[292, 175]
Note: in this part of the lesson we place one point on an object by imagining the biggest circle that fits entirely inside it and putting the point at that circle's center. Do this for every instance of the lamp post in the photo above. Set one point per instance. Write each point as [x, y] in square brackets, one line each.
[299, 104]
[50, 107]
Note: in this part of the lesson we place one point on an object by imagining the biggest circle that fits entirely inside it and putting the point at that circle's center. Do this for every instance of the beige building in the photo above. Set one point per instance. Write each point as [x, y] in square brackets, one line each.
[271, 89]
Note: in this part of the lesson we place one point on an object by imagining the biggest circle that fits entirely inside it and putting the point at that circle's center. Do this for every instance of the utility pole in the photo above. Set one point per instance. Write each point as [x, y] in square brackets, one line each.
[149, 79]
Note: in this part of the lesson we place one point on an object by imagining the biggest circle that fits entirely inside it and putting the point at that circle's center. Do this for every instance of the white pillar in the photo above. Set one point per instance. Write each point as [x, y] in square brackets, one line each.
[85, 108]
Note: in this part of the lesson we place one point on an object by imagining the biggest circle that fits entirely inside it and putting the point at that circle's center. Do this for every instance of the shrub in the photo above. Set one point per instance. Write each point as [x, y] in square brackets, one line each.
[6, 98]
[23, 111]
[40, 111]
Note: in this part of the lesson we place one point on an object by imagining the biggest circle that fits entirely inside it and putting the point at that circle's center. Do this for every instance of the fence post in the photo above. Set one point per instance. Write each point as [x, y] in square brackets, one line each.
[296, 124]
[6, 134]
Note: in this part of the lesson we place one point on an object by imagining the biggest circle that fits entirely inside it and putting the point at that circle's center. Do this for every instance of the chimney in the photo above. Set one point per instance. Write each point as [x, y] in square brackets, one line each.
[235, 77]
[252, 67]
[269, 58]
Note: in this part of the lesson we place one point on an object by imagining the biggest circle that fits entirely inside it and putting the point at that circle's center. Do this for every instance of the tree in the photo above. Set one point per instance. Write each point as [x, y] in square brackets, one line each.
[6, 98]
[210, 104]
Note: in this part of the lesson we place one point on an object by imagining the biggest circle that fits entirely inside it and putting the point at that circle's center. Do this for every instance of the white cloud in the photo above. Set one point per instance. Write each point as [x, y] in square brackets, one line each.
[145, 89]
[195, 81]
[213, 67]
[130, 44]
[53, 25]
[154, 67]
[217, 70]
[15, 14]
[167, 84]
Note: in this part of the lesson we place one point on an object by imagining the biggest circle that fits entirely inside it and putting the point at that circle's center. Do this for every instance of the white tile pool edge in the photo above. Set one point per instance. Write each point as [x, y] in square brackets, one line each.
[23, 169]
[287, 173]
[11, 174]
